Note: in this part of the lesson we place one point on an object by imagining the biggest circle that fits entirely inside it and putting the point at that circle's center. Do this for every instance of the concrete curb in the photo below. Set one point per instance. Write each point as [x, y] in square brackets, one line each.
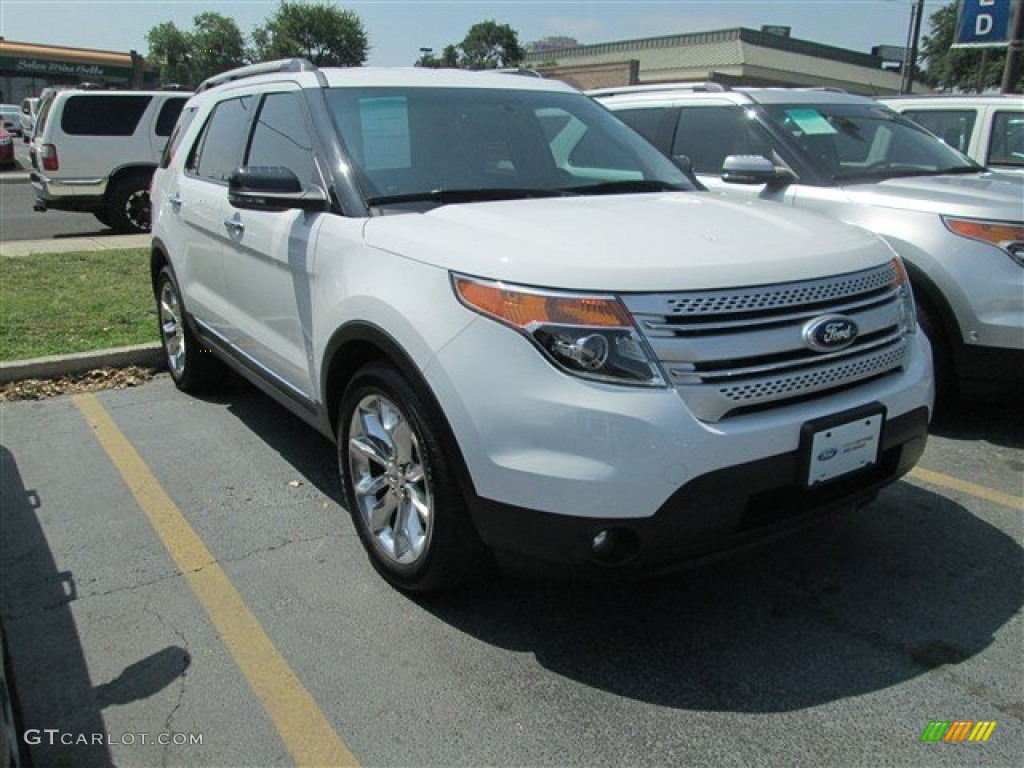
[150, 355]
[69, 244]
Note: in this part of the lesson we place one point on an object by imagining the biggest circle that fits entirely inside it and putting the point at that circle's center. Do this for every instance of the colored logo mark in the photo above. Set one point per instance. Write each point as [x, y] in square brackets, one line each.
[958, 730]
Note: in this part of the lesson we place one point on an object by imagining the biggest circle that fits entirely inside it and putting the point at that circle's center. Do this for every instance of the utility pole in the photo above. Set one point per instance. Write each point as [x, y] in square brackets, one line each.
[1014, 49]
[913, 36]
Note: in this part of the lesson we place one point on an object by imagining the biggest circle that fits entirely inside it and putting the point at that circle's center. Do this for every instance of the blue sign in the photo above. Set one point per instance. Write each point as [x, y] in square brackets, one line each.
[983, 23]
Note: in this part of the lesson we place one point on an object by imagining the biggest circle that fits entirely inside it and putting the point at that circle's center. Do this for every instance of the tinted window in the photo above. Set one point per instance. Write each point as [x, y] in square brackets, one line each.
[707, 135]
[218, 152]
[646, 122]
[953, 126]
[103, 115]
[1006, 145]
[179, 133]
[169, 116]
[282, 138]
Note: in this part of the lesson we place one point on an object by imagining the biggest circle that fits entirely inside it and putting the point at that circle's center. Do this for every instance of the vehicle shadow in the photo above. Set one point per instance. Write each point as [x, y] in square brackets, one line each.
[1001, 424]
[51, 676]
[862, 602]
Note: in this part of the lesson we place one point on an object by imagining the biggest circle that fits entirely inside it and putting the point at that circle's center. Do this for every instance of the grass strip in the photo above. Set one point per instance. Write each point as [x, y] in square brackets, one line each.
[59, 303]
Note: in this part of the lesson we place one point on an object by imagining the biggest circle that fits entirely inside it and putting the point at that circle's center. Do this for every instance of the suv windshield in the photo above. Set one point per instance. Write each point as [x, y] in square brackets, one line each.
[448, 145]
[865, 142]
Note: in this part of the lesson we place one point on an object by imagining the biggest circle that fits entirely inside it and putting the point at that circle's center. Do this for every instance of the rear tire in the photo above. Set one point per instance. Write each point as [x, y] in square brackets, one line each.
[102, 218]
[128, 206]
[192, 366]
[400, 487]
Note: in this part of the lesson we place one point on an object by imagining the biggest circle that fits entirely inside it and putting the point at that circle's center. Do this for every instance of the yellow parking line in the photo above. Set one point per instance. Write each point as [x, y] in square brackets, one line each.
[303, 728]
[971, 489]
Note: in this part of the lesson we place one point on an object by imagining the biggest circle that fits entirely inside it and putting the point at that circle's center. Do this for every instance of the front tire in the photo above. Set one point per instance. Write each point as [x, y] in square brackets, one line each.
[399, 484]
[191, 366]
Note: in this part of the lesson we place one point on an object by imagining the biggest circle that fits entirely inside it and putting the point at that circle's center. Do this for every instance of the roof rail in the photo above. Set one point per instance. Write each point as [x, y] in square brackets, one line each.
[525, 71]
[708, 86]
[263, 68]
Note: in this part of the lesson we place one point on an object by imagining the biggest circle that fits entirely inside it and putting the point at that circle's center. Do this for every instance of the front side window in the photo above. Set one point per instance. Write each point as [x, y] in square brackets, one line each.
[282, 138]
[422, 141]
[1006, 145]
[218, 151]
[865, 142]
[103, 115]
[708, 135]
[953, 126]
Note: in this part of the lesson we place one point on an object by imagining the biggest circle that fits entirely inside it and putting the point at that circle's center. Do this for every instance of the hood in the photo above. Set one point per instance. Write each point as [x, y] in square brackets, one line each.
[644, 242]
[976, 195]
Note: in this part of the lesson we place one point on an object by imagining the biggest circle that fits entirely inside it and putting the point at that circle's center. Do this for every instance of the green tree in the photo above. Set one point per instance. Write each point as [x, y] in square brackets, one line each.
[170, 46]
[217, 45]
[320, 32]
[214, 44]
[448, 59]
[489, 45]
[958, 69]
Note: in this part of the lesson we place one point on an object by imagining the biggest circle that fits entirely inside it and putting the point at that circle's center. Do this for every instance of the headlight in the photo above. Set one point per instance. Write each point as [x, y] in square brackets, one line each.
[907, 310]
[590, 336]
[1003, 234]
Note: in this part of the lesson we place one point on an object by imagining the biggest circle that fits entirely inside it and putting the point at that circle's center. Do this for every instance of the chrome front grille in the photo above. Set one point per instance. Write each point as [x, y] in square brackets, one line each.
[741, 350]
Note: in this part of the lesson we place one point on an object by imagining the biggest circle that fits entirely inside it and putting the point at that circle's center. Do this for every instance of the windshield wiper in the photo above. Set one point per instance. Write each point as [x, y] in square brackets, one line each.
[445, 196]
[628, 185]
[881, 174]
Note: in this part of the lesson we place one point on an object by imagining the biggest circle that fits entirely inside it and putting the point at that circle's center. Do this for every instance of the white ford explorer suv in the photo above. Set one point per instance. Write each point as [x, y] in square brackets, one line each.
[524, 329]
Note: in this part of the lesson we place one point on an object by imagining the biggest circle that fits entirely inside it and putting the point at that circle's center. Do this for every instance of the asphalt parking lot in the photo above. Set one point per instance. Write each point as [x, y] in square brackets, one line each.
[182, 568]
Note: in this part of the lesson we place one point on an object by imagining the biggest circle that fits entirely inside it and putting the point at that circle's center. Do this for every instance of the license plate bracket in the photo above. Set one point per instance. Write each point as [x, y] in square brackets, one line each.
[837, 446]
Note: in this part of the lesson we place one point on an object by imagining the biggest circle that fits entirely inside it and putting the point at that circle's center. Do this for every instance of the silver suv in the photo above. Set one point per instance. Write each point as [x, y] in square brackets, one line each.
[525, 330]
[959, 228]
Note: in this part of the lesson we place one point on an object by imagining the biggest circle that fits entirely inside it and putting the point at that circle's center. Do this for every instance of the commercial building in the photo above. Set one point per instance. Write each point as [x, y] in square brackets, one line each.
[738, 56]
[27, 68]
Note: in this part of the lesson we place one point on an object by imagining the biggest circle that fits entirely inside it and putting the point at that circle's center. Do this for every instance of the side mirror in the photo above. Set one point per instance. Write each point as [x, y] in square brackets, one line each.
[753, 169]
[272, 188]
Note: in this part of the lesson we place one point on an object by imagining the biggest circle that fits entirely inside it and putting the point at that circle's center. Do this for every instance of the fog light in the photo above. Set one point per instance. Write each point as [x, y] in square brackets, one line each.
[615, 546]
[603, 544]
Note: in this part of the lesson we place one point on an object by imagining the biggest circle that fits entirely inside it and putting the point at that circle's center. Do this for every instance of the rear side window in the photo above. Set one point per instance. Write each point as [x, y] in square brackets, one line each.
[649, 123]
[103, 115]
[953, 126]
[1006, 145]
[178, 134]
[218, 152]
[169, 116]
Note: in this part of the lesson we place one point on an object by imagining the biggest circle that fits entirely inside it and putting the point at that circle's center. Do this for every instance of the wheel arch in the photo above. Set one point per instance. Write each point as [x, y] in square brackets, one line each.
[358, 343]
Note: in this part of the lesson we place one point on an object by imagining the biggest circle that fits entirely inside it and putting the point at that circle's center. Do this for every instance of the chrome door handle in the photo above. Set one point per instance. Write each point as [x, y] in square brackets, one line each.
[175, 201]
[236, 227]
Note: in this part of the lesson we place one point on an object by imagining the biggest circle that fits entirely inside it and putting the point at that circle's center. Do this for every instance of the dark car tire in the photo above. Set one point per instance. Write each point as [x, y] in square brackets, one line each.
[422, 539]
[128, 206]
[192, 366]
[102, 217]
[947, 385]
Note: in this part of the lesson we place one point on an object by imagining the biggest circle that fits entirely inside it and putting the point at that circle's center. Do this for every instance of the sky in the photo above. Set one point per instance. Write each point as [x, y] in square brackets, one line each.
[398, 29]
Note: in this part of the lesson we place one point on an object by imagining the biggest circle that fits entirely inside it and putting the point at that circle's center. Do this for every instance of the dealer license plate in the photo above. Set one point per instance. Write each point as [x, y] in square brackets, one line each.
[838, 446]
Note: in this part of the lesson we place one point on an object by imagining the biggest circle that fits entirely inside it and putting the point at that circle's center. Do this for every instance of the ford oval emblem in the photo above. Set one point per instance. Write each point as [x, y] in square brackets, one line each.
[828, 454]
[830, 333]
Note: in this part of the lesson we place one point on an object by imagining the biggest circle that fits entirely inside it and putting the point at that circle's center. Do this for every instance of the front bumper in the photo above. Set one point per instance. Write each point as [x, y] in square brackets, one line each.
[714, 514]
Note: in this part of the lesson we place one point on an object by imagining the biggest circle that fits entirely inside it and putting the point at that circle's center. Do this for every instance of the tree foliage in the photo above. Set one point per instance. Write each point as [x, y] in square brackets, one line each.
[321, 32]
[957, 69]
[213, 45]
[487, 45]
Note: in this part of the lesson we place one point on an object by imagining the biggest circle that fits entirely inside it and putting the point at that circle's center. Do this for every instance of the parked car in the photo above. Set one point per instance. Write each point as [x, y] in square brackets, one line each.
[27, 116]
[6, 149]
[10, 119]
[524, 328]
[95, 151]
[989, 129]
[959, 228]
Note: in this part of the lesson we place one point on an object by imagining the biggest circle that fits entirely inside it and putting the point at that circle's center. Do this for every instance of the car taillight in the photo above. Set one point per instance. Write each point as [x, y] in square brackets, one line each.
[49, 156]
